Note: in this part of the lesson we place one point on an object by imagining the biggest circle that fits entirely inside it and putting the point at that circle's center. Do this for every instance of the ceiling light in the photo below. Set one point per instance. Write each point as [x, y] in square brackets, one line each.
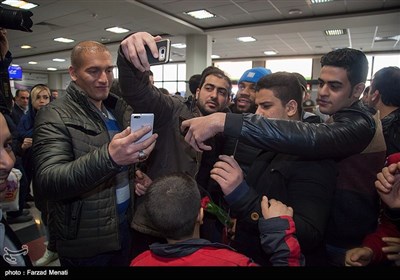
[32, 62]
[270, 52]
[15, 65]
[63, 40]
[246, 39]
[387, 39]
[59, 59]
[117, 29]
[335, 32]
[200, 14]
[179, 46]
[19, 4]
[213, 56]
[26, 47]
[52, 69]
[293, 12]
[320, 1]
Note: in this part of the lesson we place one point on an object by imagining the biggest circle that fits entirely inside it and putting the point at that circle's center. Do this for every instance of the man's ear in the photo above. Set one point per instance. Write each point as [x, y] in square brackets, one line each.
[358, 90]
[375, 96]
[197, 93]
[291, 108]
[72, 73]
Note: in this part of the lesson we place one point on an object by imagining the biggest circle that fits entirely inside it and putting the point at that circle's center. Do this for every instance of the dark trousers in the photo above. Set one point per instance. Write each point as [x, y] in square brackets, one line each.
[115, 258]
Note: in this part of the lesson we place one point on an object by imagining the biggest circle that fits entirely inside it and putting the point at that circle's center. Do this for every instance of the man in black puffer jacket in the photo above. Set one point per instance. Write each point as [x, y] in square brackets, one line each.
[83, 155]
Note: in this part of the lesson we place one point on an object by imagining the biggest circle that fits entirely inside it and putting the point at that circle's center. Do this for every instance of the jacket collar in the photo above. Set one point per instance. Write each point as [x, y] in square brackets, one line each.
[183, 248]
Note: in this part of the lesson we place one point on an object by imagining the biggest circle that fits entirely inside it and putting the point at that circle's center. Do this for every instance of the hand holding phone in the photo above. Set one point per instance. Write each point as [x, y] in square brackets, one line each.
[140, 120]
[163, 47]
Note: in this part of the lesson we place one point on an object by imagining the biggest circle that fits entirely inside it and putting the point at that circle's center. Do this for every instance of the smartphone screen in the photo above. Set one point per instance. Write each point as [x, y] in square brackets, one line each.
[140, 120]
[163, 47]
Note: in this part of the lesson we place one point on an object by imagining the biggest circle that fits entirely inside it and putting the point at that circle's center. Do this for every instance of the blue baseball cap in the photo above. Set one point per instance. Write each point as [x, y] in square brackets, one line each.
[254, 74]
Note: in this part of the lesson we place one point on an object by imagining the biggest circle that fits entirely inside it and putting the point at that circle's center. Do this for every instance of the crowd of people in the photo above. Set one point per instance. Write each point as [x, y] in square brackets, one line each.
[316, 188]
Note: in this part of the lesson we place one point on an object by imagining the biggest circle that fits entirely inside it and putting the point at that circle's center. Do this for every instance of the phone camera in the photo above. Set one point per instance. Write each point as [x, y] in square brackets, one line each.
[161, 53]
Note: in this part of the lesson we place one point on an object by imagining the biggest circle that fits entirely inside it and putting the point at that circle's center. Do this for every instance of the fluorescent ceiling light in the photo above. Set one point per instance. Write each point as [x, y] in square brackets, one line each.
[387, 39]
[59, 59]
[335, 32]
[179, 46]
[320, 1]
[117, 29]
[19, 4]
[215, 56]
[200, 14]
[26, 47]
[63, 40]
[295, 12]
[32, 62]
[270, 52]
[246, 39]
[52, 69]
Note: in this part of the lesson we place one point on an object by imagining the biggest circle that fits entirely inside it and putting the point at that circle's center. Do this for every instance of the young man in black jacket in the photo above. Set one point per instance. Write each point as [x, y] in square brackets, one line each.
[306, 185]
[352, 136]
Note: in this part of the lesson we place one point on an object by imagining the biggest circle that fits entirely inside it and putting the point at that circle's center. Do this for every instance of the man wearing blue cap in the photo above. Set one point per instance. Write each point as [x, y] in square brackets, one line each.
[244, 101]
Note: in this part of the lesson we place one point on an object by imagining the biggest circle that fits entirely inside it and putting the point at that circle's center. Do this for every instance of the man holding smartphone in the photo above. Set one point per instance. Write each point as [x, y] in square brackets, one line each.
[172, 153]
[83, 153]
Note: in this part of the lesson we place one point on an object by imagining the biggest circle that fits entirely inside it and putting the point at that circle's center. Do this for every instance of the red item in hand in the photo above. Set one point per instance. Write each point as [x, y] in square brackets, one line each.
[393, 158]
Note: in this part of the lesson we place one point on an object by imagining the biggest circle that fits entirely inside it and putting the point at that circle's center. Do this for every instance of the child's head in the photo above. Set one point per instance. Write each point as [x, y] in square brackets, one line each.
[173, 205]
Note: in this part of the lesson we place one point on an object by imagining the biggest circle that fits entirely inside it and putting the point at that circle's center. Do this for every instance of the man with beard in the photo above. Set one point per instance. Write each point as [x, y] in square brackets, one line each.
[244, 101]
[172, 153]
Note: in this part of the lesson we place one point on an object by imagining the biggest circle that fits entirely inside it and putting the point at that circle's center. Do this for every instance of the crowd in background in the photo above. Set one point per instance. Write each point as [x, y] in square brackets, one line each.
[270, 178]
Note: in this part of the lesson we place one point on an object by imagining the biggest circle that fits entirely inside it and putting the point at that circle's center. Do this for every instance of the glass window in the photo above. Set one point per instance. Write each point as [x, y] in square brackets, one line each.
[170, 86]
[182, 72]
[157, 73]
[170, 72]
[299, 65]
[234, 69]
[381, 61]
[182, 88]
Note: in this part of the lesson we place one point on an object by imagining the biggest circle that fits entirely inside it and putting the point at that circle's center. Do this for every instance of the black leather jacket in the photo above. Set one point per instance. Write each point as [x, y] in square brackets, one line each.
[350, 133]
[391, 131]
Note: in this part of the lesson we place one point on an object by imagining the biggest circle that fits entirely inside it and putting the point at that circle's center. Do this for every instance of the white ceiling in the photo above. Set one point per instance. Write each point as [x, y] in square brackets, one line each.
[268, 21]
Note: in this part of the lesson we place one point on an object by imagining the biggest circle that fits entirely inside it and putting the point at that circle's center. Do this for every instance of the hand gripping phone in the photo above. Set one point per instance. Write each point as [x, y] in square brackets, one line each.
[140, 120]
[163, 47]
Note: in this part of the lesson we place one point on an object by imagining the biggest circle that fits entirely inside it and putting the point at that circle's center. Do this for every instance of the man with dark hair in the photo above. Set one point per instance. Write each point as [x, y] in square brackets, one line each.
[54, 94]
[194, 83]
[308, 113]
[244, 100]
[384, 96]
[352, 136]
[306, 185]
[20, 107]
[172, 153]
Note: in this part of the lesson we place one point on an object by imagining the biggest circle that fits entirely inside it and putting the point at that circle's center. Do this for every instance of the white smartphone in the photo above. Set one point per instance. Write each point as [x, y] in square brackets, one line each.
[140, 120]
[163, 47]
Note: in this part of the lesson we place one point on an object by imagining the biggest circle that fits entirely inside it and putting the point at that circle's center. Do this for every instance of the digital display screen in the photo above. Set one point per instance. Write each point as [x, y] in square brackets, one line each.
[15, 72]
